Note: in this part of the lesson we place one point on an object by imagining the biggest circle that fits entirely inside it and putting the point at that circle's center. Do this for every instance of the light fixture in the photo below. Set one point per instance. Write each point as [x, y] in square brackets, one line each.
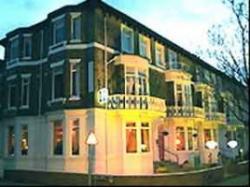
[232, 144]
[211, 144]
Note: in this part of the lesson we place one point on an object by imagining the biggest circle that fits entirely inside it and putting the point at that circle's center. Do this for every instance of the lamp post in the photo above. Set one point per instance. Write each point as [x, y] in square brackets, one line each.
[91, 141]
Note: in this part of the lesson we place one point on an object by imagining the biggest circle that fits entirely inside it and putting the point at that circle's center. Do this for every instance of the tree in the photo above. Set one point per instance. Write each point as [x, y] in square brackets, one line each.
[229, 48]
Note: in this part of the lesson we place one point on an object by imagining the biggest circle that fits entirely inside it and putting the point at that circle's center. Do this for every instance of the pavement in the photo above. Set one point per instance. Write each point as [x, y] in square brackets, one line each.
[242, 180]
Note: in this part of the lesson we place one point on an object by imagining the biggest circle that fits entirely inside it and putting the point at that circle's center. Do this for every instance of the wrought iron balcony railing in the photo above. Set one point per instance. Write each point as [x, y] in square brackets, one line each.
[185, 111]
[136, 102]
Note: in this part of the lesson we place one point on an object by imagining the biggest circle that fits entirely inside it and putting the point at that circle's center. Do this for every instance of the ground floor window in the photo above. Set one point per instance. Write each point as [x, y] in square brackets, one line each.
[24, 140]
[58, 137]
[190, 138]
[75, 145]
[11, 141]
[137, 137]
[180, 139]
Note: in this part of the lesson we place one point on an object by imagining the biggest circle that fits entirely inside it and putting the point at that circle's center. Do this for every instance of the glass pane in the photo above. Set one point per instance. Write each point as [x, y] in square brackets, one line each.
[131, 141]
[145, 140]
[75, 137]
[58, 138]
[58, 86]
[11, 141]
[24, 140]
[190, 139]
[180, 139]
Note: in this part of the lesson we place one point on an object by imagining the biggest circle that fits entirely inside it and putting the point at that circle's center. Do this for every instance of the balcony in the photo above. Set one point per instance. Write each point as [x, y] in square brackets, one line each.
[216, 116]
[136, 102]
[185, 111]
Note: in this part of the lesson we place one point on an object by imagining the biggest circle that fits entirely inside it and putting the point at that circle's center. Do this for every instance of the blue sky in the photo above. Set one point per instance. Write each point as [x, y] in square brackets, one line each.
[185, 22]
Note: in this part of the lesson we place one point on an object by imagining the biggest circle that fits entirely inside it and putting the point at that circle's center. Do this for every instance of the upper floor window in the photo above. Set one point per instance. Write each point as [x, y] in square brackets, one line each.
[172, 59]
[75, 26]
[27, 48]
[127, 39]
[25, 90]
[12, 96]
[14, 47]
[57, 83]
[136, 81]
[24, 144]
[144, 46]
[58, 29]
[58, 137]
[159, 55]
[75, 78]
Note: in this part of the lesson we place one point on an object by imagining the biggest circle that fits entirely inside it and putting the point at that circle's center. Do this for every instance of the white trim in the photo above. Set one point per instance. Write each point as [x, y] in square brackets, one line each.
[56, 64]
[27, 35]
[27, 63]
[58, 17]
[156, 68]
[14, 37]
[24, 107]
[75, 61]
[74, 98]
[61, 99]
[54, 47]
[28, 75]
[11, 77]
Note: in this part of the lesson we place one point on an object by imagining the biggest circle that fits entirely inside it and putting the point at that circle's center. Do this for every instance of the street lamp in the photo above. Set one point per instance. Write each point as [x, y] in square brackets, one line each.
[91, 141]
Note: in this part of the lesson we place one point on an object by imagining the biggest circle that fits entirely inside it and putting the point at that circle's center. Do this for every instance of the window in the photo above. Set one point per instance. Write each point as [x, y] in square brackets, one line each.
[145, 147]
[190, 138]
[12, 96]
[127, 39]
[207, 135]
[76, 27]
[75, 79]
[58, 138]
[11, 141]
[14, 45]
[57, 84]
[144, 46]
[24, 144]
[75, 137]
[90, 76]
[187, 95]
[159, 55]
[25, 90]
[172, 59]
[27, 46]
[58, 30]
[131, 138]
[180, 139]
[136, 81]
[179, 95]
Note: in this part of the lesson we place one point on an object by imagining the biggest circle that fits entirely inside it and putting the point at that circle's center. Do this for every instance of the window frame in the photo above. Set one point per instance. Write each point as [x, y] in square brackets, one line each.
[161, 48]
[14, 49]
[21, 138]
[75, 62]
[71, 136]
[28, 78]
[55, 25]
[62, 138]
[124, 28]
[75, 16]
[27, 39]
[143, 40]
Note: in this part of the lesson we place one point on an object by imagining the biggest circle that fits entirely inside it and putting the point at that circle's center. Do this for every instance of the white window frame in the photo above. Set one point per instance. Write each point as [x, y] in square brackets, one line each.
[75, 15]
[27, 38]
[79, 140]
[172, 59]
[124, 34]
[159, 47]
[74, 62]
[25, 77]
[11, 84]
[57, 19]
[144, 42]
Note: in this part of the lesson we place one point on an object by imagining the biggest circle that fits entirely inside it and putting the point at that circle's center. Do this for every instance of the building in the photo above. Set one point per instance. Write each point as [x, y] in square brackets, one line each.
[164, 102]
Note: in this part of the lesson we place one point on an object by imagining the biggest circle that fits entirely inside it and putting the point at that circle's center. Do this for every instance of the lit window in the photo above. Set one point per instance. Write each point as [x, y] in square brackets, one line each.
[131, 146]
[144, 47]
[11, 95]
[190, 138]
[14, 46]
[24, 140]
[75, 147]
[11, 141]
[58, 30]
[57, 84]
[25, 91]
[76, 28]
[180, 139]
[75, 79]
[145, 146]
[58, 138]
[127, 40]
[27, 46]
[207, 135]
[159, 55]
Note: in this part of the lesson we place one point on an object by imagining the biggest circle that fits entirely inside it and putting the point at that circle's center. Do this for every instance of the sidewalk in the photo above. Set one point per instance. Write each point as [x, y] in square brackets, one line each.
[242, 180]
[9, 183]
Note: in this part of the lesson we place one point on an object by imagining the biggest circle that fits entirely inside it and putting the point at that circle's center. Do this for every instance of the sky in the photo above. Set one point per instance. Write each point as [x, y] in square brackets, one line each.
[184, 22]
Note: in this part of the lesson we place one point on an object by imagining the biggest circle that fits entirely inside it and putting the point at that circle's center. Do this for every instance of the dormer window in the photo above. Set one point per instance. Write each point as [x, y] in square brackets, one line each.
[159, 55]
[27, 48]
[127, 39]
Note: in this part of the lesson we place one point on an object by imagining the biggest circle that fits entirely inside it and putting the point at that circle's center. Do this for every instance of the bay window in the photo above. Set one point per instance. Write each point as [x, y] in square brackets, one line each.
[12, 96]
[27, 48]
[75, 26]
[75, 137]
[25, 90]
[58, 29]
[14, 48]
[75, 79]
[58, 137]
[57, 83]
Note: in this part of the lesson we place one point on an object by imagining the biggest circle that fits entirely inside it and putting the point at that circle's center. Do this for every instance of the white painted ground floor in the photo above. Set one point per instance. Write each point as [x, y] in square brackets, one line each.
[129, 141]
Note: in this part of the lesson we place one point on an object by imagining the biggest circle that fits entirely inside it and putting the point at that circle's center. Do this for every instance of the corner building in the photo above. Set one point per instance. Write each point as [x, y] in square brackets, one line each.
[163, 101]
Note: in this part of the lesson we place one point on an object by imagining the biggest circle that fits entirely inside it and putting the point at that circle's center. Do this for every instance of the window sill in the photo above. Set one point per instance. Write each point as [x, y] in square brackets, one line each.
[74, 98]
[75, 41]
[26, 58]
[60, 44]
[12, 108]
[24, 107]
[56, 101]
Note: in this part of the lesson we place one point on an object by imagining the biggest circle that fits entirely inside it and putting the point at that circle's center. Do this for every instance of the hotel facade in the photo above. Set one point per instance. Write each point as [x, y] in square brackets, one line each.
[164, 103]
